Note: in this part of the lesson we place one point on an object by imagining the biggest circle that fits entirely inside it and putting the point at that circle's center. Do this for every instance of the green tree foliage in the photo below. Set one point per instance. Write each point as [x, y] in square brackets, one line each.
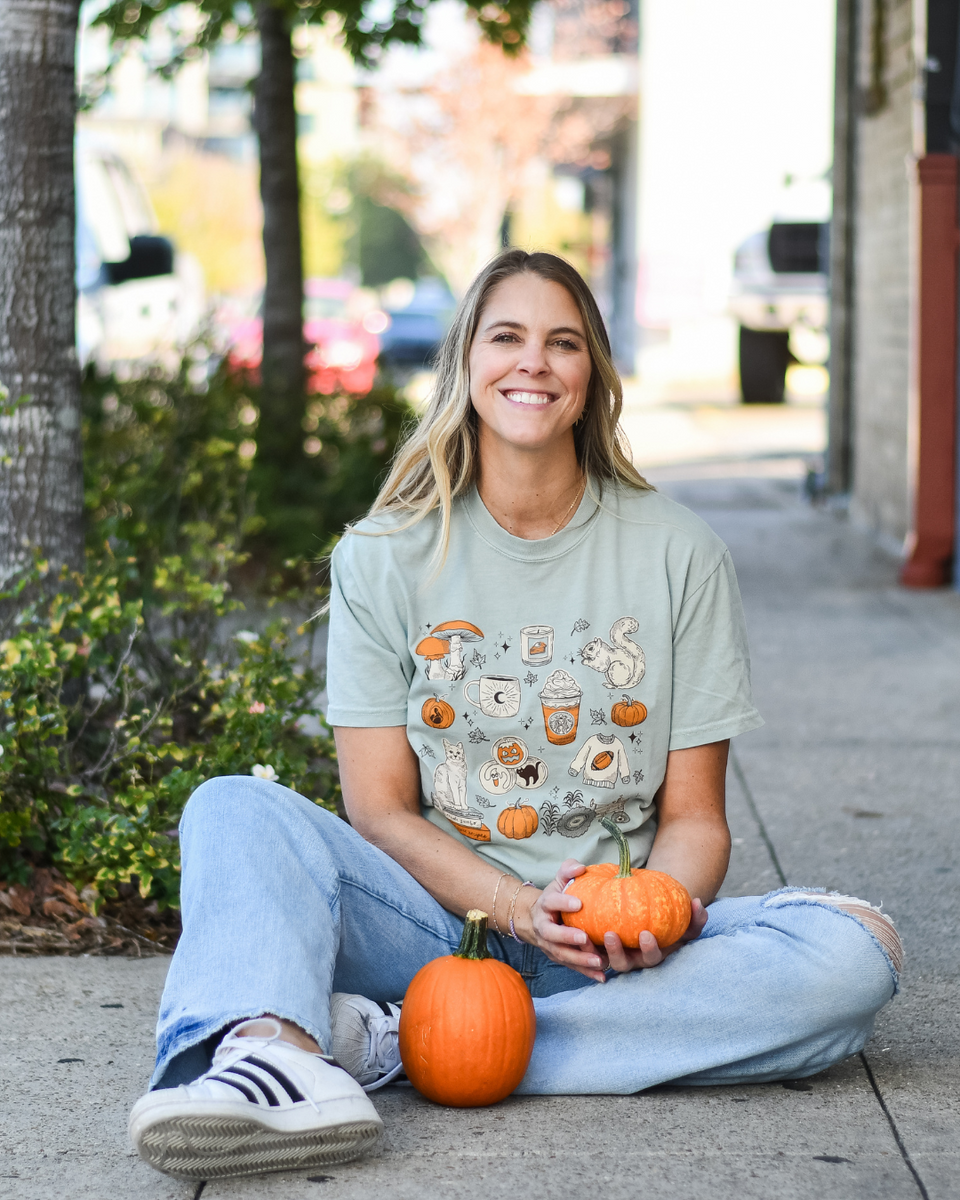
[142, 677]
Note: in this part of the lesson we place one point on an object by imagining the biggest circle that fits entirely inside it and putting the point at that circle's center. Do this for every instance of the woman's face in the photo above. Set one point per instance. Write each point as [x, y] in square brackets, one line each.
[529, 363]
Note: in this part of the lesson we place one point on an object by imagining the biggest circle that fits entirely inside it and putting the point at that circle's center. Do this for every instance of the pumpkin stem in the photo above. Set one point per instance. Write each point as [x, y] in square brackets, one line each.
[622, 847]
[473, 943]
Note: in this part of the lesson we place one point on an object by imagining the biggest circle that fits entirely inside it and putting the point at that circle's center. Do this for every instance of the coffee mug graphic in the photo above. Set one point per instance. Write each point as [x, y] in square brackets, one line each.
[496, 695]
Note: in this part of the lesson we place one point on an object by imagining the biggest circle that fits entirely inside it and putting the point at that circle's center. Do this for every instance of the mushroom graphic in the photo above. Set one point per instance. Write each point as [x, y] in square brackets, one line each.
[434, 650]
[456, 633]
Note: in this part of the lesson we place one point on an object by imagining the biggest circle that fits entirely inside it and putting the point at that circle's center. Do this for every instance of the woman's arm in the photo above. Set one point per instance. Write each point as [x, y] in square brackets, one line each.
[692, 844]
[380, 777]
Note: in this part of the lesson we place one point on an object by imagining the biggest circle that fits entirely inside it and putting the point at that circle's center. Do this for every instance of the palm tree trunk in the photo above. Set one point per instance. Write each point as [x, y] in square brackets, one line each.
[275, 121]
[41, 467]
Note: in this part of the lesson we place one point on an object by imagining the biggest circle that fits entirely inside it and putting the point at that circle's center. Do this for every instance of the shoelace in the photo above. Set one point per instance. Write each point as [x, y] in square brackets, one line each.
[384, 1043]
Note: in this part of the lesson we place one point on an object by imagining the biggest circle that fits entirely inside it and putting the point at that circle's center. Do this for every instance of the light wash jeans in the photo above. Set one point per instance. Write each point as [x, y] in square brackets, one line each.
[284, 903]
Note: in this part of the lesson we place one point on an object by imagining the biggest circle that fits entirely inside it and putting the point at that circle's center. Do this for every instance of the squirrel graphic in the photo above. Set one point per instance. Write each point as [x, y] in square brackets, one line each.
[622, 664]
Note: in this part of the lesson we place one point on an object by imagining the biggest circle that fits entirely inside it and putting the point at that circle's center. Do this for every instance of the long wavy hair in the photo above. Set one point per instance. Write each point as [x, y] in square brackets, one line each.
[438, 459]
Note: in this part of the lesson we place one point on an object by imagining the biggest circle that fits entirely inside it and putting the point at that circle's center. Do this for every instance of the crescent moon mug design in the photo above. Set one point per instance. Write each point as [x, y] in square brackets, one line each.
[496, 695]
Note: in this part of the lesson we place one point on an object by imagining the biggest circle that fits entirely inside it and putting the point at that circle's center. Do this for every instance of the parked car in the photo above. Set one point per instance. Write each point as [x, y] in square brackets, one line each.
[417, 323]
[779, 297]
[340, 327]
[137, 298]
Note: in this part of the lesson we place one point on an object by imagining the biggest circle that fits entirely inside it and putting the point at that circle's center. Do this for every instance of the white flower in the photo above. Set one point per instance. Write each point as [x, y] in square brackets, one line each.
[264, 772]
[247, 636]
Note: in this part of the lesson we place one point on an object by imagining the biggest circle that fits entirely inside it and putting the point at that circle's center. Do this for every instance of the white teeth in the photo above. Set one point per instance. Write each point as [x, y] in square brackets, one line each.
[529, 397]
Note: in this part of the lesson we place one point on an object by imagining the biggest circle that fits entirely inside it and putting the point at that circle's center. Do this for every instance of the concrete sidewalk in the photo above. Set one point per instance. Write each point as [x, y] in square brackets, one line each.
[853, 784]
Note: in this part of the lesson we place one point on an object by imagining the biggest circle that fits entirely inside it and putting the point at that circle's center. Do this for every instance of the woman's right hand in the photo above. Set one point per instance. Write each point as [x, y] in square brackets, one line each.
[562, 943]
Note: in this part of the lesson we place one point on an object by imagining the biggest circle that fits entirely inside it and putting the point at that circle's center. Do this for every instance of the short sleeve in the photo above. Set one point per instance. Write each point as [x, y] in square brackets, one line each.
[712, 700]
[369, 669]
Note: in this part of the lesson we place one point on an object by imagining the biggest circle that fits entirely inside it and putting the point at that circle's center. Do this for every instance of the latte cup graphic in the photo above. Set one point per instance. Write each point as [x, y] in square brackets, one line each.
[536, 645]
[560, 700]
[494, 695]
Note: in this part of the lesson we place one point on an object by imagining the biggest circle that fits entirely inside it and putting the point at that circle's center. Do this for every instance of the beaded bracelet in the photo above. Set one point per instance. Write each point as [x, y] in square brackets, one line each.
[493, 907]
[513, 906]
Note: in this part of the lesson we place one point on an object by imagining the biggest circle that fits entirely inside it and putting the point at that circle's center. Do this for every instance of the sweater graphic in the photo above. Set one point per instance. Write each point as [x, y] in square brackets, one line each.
[602, 759]
[443, 649]
[620, 661]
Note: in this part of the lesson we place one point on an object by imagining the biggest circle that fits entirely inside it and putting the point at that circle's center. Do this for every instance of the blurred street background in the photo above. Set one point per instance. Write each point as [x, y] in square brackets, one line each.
[645, 147]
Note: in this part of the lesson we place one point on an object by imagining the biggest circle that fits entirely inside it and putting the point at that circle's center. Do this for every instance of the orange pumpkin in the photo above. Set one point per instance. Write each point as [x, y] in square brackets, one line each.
[437, 713]
[627, 901]
[628, 712]
[467, 1024]
[518, 821]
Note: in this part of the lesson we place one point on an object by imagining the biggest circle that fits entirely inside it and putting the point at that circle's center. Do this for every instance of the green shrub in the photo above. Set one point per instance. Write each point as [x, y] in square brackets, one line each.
[127, 689]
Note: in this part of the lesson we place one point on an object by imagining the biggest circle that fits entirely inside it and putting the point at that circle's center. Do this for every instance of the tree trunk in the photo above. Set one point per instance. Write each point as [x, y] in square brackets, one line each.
[275, 120]
[41, 468]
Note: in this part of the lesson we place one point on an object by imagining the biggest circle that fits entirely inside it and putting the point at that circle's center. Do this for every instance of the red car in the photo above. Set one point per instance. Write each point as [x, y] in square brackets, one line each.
[342, 338]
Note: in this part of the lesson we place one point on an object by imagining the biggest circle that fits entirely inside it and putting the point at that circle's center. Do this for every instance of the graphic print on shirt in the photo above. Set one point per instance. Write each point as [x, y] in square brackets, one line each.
[449, 793]
[437, 713]
[443, 649]
[622, 664]
[560, 702]
[536, 645]
[518, 821]
[496, 696]
[579, 816]
[601, 760]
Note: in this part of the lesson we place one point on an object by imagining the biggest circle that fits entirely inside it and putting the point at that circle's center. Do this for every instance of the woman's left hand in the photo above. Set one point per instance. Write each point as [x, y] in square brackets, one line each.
[649, 954]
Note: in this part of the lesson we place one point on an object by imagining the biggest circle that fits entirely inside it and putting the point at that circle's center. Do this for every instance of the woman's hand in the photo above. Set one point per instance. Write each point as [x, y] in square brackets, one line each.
[569, 947]
[649, 954]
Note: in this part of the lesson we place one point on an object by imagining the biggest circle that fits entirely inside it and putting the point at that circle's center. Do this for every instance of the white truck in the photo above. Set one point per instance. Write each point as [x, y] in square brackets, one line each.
[138, 300]
[779, 296]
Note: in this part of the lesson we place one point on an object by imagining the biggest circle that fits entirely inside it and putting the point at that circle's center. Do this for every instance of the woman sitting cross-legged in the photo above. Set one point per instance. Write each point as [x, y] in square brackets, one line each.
[526, 641]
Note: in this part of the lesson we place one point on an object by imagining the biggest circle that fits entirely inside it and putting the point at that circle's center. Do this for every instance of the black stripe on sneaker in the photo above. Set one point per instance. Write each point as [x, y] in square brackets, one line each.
[288, 1086]
[385, 1007]
[270, 1096]
[239, 1086]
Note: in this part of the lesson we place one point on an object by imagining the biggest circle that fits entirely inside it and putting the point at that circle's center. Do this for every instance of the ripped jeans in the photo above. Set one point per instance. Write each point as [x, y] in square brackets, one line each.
[284, 903]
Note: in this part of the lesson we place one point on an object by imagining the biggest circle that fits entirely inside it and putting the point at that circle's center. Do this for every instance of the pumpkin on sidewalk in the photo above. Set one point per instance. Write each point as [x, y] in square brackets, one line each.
[626, 901]
[467, 1024]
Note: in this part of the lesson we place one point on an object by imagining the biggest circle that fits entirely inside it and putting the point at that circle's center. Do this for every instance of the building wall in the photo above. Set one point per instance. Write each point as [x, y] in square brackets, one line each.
[883, 265]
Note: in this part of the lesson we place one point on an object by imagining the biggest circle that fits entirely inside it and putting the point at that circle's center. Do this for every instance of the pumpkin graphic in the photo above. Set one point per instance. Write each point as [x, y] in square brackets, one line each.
[437, 713]
[628, 712]
[512, 753]
[602, 761]
[518, 821]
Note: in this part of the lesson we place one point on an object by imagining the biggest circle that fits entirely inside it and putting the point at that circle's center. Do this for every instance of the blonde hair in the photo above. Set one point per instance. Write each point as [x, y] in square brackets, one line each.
[438, 459]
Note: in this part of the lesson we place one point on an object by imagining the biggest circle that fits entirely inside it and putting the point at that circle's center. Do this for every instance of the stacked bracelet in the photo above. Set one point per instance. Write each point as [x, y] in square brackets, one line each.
[513, 906]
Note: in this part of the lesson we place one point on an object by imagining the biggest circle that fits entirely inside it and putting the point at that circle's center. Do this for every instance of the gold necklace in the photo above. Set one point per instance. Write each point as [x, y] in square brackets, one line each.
[576, 500]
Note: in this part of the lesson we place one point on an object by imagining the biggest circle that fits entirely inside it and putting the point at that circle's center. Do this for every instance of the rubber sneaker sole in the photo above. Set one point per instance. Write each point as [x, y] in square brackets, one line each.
[218, 1146]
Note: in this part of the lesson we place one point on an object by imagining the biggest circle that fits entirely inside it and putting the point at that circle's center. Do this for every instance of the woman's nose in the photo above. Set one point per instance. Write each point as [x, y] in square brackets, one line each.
[533, 359]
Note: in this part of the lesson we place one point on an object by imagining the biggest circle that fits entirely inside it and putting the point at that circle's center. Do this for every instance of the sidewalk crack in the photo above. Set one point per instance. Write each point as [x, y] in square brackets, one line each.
[752, 805]
[904, 1152]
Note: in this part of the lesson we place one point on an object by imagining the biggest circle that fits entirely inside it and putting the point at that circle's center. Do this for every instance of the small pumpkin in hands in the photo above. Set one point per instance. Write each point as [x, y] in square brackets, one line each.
[628, 712]
[467, 1024]
[627, 901]
[437, 713]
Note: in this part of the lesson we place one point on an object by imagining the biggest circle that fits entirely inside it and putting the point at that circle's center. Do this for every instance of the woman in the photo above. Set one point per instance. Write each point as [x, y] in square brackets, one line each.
[515, 581]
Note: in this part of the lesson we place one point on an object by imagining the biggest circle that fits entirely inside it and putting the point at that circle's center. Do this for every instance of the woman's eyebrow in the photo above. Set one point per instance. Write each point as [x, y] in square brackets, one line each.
[519, 325]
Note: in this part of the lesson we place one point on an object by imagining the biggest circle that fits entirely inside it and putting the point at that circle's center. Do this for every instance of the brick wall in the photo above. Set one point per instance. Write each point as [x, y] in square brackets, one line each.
[881, 345]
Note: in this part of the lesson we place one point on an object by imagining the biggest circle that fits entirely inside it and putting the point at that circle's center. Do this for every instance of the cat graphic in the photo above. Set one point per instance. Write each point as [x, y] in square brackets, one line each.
[450, 779]
[622, 664]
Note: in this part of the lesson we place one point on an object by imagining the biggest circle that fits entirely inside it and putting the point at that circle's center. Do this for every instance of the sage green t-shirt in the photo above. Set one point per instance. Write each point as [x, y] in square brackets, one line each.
[542, 683]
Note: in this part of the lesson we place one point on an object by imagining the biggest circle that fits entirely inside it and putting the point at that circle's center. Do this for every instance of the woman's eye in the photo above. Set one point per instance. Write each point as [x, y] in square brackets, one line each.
[566, 344]
[505, 337]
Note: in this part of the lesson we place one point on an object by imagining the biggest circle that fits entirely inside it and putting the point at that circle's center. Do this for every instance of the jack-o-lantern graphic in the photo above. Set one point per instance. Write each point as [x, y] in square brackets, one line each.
[437, 713]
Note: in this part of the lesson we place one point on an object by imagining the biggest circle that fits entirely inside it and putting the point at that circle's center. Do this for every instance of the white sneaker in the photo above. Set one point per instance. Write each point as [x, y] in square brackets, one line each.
[264, 1105]
[365, 1040]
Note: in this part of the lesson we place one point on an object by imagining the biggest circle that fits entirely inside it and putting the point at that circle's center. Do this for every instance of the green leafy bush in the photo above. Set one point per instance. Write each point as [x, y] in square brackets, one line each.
[124, 688]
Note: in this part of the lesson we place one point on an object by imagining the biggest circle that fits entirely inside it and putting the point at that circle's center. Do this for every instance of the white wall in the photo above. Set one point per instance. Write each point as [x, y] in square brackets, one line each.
[736, 94]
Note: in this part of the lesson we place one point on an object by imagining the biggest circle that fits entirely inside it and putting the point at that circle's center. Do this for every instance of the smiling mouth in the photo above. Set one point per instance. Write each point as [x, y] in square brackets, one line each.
[532, 398]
